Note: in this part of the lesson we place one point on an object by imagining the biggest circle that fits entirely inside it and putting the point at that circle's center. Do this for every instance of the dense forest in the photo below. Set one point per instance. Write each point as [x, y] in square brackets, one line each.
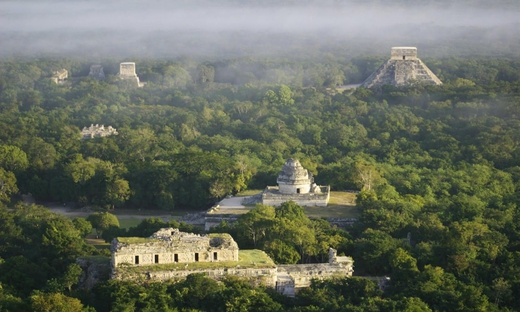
[443, 162]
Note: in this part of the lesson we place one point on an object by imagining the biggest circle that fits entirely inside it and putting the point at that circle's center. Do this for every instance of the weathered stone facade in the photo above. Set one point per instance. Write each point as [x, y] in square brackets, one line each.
[403, 53]
[264, 276]
[297, 184]
[293, 277]
[127, 72]
[402, 69]
[172, 255]
[97, 131]
[171, 246]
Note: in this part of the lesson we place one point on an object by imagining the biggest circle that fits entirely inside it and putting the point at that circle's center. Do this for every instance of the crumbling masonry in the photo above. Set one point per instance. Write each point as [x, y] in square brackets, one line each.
[127, 73]
[171, 255]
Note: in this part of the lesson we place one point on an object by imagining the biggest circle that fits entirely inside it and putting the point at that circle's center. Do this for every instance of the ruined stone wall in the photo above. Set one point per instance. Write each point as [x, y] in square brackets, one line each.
[127, 73]
[257, 276]
[60, 76]
[127, 70]
[151, 256]
[171, 246]
[96, 269]
[303, 274]
[273, 198]
[95, 131]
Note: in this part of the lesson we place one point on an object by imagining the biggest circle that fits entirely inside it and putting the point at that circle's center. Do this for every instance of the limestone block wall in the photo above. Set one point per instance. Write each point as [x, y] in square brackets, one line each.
[127, 73]
[151, 256]
[171, 246]
[285, 284]
[294, 188]
[404, 71]
[60, 76]
[310, 199]
[403, 53]
[307, 203]
[423, 73]
[257, 276]
[127, 70]
[303, 274]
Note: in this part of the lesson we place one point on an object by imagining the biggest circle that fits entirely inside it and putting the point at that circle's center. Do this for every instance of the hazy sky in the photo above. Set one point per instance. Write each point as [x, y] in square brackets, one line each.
[172, 27]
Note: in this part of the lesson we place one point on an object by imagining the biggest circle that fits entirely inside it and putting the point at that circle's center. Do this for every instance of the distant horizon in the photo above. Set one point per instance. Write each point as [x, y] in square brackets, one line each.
[160, 29]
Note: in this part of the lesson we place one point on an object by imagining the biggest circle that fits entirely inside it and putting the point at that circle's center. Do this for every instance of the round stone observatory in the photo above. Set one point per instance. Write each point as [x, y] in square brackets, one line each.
[294, 179]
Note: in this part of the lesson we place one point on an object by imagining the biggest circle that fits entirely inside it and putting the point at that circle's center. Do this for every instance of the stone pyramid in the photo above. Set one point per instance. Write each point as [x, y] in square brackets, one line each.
[402, 69]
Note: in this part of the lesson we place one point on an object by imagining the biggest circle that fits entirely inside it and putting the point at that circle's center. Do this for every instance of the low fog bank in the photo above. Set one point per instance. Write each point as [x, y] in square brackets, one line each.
[172, 29]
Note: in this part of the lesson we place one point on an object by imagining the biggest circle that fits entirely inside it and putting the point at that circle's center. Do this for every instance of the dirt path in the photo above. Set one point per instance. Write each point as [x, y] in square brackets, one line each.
[74, 213]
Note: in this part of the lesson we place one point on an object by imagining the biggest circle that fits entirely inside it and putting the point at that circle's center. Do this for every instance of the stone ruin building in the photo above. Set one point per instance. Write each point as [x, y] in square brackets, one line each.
[172, 246]
[60, 76]
[127, 73]
[297, 184]
[172, 255]
[402, 69]
[96, 72]
[97, 131]
[292, 277]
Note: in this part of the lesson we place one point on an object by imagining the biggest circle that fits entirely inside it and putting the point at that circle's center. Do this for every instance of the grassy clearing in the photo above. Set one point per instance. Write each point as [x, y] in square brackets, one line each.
[249, 192]
[342, 198]
[98, 243]
[251, 256]
[341, 205]
[246, 259]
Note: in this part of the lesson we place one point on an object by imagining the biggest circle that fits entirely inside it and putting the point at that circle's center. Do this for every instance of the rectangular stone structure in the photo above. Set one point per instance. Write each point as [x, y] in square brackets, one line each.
[172, 246]
[127, 70]
[403, 53]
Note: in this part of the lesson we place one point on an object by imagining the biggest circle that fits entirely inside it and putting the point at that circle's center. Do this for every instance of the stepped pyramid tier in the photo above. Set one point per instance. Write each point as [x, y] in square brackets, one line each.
[402, 69]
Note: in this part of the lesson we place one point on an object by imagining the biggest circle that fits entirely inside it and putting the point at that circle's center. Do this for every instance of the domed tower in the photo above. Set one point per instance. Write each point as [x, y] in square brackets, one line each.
[294, 179]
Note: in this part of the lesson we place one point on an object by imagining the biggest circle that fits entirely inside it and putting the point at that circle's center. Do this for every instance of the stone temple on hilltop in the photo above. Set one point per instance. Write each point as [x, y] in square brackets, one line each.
[402, 69]
[172, 255]
[127, 72]
[297, 184]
